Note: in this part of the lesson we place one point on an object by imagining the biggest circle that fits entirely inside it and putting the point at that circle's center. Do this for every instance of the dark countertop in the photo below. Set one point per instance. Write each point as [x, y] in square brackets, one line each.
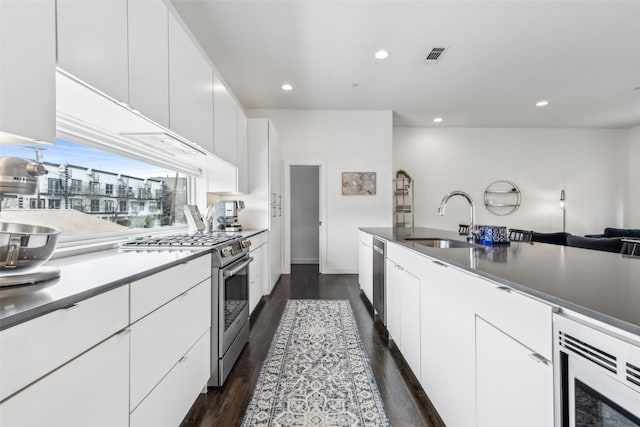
[85, 276]
[602, 285]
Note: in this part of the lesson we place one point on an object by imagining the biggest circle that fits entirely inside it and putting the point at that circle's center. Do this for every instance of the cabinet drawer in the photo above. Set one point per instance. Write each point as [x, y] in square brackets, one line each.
[523, 318]
[32, 349]
[159, 340]
[258, 240]
[170, 401]
[89, 391]
[407, 258]
[151, 292]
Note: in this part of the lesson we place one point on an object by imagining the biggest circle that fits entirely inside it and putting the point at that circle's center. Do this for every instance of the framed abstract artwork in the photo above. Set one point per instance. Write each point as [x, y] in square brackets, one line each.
[358, 183]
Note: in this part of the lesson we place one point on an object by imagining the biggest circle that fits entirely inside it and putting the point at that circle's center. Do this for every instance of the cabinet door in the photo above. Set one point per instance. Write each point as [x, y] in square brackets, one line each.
[514, 385]
[92, 390]
[243, 167]
[149, 59]
[365, 270]
[256, 276]
[92, 44]
[225, 123]
[190, 88]
[447, 317]
[410, 320]
[275, 193]
[170, 401]
[403, 312]
[27, 80]
[393, 281]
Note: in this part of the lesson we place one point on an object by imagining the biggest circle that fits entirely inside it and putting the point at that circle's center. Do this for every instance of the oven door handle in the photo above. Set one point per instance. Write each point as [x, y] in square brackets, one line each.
[235, 270]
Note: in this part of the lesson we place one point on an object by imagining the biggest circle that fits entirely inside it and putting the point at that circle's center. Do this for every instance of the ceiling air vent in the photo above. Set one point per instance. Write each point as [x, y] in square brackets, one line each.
[434, 55]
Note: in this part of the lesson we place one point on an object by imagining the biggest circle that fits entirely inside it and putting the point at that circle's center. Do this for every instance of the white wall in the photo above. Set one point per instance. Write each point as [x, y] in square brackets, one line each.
[305, 214]
[338, 141]
[591, 164]
[632, 219]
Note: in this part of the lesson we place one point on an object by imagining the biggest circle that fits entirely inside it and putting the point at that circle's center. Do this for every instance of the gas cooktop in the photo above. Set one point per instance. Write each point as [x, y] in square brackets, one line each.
[186, 240]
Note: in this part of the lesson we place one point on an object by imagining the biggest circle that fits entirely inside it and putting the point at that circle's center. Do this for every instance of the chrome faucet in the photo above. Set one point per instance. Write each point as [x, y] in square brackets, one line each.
[472, 225]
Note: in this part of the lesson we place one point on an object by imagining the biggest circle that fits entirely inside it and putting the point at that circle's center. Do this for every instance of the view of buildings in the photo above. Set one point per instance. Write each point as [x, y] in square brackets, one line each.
[123, 199]
[101, 184]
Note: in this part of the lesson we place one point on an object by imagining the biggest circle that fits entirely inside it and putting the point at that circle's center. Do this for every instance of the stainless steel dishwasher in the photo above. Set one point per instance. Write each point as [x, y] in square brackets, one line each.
[379, 288]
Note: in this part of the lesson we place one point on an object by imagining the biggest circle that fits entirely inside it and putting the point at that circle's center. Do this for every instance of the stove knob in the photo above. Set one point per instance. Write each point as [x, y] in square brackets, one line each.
[246, 243]
[227, 251]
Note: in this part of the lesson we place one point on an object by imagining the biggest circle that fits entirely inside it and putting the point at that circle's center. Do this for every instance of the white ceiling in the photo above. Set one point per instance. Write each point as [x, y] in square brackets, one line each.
[583, 56]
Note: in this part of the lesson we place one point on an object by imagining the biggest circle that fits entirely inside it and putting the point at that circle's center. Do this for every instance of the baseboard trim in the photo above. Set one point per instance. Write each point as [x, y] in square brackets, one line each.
[305, 261]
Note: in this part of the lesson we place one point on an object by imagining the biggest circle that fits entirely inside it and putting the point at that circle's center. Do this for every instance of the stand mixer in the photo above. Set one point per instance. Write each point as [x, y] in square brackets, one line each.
[24, 248]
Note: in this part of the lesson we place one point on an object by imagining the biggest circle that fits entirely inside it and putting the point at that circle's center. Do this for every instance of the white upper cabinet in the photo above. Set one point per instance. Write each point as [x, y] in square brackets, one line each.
[149, 59]
[225, 122]
[190, 88]
[92, 44]
[27, 79]
[243, 159]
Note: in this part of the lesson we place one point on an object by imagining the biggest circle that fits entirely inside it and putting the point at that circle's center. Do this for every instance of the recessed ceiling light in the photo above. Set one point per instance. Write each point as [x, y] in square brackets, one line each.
[381, 54]
[287, 87]
[542, 103]
[437, 120]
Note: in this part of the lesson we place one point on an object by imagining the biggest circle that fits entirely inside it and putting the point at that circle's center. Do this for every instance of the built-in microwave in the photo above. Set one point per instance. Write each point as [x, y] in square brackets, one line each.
[597, 376]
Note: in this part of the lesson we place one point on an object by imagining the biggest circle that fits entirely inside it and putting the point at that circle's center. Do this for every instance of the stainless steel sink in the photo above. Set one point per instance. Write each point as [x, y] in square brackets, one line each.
[439, 243]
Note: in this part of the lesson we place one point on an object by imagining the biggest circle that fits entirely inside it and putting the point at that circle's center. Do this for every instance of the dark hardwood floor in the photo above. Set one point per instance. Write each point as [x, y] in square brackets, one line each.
[403, 397]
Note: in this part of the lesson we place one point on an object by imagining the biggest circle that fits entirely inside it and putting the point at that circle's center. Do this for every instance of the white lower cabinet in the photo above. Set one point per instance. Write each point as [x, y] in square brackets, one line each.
[258, 276]
[392, 279]
[91, 390]
[447, 335]
[365, 265]
[160, 339]
[32, 349]
[171, 399]
[403, 312]
[151, 292]
[514, 384]
[494, 374]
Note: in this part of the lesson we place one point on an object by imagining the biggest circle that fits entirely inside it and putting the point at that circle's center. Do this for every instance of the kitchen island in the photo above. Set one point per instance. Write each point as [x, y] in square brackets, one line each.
[601, 285]
[480, 327]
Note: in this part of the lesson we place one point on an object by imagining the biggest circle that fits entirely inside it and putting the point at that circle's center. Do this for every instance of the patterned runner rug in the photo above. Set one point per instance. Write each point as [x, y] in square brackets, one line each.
[317, 372]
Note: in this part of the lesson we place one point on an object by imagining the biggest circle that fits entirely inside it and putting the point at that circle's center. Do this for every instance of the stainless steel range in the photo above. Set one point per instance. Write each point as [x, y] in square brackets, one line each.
[229, 293]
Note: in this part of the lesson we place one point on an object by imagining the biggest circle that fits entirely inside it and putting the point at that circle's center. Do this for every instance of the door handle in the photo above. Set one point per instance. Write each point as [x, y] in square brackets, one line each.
[235, 270]
[539, 358]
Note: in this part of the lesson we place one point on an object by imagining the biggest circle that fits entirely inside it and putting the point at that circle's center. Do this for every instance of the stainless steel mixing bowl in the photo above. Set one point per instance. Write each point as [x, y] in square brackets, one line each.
[24, 246]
